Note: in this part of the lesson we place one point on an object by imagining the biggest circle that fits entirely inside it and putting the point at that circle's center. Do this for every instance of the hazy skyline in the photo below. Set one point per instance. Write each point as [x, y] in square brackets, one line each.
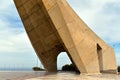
[102, 16]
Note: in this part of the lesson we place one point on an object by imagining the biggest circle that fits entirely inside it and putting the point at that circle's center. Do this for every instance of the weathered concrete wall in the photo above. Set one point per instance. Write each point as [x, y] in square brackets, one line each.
[53, 27]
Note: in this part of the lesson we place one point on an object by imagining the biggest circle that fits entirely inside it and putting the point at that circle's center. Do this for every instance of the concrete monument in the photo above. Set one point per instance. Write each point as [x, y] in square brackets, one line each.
[53, 27]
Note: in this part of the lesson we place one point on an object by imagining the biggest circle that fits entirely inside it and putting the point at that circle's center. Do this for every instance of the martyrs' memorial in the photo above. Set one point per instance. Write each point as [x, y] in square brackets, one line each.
[53, 27]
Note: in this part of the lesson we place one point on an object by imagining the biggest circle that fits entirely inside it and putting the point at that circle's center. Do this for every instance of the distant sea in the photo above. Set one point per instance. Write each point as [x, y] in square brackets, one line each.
[16, 69]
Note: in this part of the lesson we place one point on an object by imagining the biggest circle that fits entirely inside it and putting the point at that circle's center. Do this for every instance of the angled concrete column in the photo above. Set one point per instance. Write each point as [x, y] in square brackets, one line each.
[52, 27]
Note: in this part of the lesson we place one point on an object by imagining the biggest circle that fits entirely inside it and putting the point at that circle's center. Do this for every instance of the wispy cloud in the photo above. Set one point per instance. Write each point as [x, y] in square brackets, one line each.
[112, 8]
[14, 42]
[12, 34]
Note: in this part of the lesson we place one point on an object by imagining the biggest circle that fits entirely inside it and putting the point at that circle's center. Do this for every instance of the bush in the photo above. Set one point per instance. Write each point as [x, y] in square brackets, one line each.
[118, 68]
[66, 67]
[70, 67]
[37, 69]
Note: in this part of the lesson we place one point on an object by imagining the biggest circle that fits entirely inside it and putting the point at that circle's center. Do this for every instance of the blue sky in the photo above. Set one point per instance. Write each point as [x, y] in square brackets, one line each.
[102, 16]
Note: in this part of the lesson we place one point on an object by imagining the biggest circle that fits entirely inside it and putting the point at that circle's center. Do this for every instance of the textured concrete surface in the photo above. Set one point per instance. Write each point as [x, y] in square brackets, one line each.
[53, 27]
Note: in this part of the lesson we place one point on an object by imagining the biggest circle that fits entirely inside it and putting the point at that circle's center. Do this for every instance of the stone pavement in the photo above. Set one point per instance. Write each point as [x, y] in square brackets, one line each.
[42, 75]
[73, 76]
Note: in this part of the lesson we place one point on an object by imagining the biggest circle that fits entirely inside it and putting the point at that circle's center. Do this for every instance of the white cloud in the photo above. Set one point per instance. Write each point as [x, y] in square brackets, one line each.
[5, 5]
[15, 47]
[15, 43]
[13, 38]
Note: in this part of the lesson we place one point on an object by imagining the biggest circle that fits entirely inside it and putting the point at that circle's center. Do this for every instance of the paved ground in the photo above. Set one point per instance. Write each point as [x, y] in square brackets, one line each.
[20, 75]
[55, 76]
[73, 76]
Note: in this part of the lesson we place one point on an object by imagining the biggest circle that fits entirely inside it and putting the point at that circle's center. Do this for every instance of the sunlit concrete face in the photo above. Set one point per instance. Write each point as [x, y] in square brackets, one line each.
[53, 27]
